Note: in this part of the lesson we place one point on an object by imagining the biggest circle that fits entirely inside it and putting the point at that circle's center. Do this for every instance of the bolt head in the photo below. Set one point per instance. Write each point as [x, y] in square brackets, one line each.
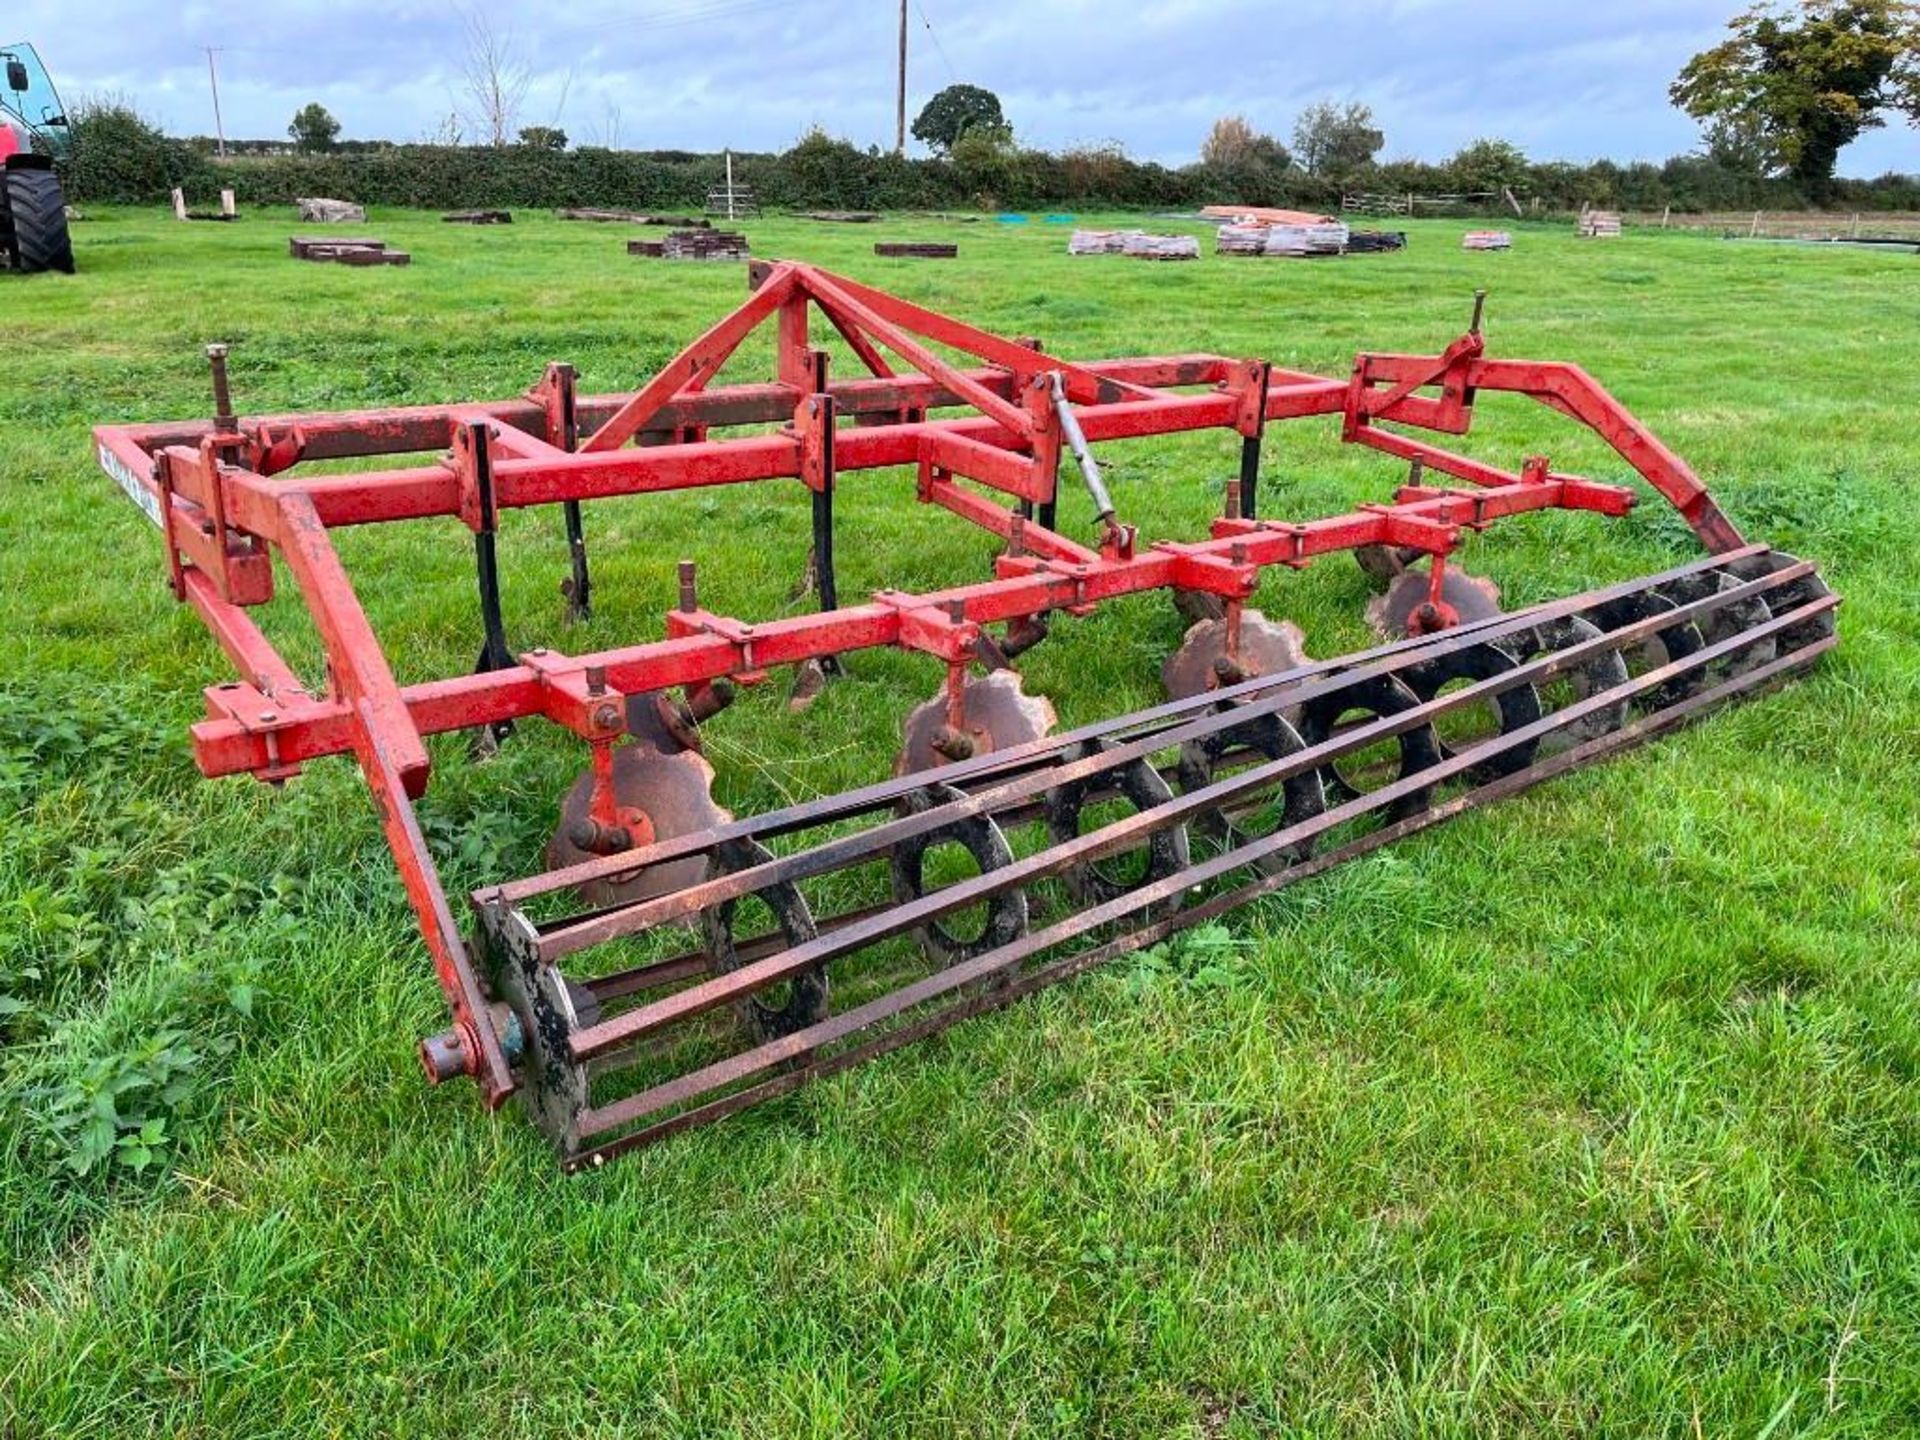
[217, 351]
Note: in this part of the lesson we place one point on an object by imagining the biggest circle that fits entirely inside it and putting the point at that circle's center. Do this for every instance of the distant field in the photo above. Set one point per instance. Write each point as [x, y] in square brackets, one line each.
[1594, 1113]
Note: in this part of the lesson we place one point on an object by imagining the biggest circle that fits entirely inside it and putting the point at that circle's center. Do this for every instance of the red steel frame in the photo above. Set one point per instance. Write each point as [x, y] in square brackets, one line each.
[223, 495]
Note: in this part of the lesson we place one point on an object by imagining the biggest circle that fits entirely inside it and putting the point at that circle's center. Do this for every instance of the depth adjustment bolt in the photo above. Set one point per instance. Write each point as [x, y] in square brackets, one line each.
[223, 416]
[689, 590]
[1479, 311]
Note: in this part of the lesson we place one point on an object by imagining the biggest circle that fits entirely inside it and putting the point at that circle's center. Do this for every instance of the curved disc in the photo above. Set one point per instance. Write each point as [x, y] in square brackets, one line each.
[1266, 648]
[996, 713]
[674, 791]
[1473, 597]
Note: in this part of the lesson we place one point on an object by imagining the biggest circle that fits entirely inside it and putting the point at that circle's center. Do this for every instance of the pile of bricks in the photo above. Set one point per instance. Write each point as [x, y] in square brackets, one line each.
[694, 245]
[705, 245]
[342, 251]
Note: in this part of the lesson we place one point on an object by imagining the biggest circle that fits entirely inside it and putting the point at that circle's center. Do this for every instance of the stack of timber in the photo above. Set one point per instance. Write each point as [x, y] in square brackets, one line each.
[635, 217]
[479, 217]
[1264, 215]
[926, 250]
[1598, 225]
[1486, 240]
[363, 251]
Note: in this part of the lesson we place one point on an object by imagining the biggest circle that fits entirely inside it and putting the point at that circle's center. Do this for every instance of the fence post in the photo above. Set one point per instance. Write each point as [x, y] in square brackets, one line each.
[1666, 215]
[1754, 229]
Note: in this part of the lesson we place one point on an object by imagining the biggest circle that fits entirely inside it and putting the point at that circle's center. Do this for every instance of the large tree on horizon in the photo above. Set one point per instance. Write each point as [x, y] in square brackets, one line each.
[1335, 140]
[1807, 79]
[954, 111]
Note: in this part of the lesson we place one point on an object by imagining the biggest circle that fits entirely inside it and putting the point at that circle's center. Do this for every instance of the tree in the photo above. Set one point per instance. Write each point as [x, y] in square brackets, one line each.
[988, 163]
[954, 111]
[1489, 165]
[1335, 140]
[1233, 144]
[495, 80]
[543, 137]
[1807, 80]
[313, 128]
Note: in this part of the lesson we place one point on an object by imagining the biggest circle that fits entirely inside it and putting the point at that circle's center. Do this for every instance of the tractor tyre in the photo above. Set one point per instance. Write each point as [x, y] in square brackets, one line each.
[36, 222]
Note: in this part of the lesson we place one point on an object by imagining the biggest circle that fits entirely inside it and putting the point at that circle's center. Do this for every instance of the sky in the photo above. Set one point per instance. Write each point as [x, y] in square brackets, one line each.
[1568, 82]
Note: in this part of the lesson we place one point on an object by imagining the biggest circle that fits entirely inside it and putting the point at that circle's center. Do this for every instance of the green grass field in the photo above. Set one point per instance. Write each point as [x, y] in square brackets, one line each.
[1594, 1113]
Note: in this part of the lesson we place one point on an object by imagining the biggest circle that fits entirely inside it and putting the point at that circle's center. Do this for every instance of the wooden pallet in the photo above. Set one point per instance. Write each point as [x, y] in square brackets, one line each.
[360, 250]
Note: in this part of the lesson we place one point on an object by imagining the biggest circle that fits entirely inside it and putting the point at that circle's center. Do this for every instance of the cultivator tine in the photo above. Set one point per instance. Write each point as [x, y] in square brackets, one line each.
[675, 964]
[471, 442]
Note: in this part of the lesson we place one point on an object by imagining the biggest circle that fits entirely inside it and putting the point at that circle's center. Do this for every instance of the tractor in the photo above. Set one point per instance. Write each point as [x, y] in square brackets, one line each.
[33, 134]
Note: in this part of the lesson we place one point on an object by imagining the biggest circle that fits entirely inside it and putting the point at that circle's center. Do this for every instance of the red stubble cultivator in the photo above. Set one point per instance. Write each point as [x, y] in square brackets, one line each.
[1060, 850]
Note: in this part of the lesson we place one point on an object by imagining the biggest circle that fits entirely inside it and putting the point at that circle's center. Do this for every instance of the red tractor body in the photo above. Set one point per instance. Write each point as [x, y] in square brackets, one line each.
[33, 134]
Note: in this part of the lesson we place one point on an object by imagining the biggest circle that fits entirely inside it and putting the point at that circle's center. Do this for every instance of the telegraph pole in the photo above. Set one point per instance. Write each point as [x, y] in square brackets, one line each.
[900, 108]
[213, 79]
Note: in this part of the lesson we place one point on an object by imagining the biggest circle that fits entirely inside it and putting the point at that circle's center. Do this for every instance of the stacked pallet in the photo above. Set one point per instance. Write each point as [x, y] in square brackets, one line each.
[1259, 237]
[928, 250]
[1161, 247]
[1241, 240]
[1598, 225]
[705, 245]
[1486, 240]
[1100, 242]
[363, 251]
[653, 249]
